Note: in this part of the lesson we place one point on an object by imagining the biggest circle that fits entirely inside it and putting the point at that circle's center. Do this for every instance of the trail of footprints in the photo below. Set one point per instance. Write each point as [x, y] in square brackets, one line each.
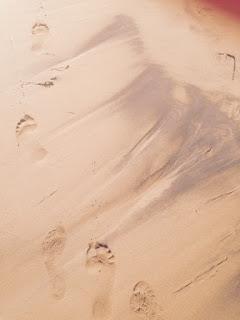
[101, 260]
[142, 301]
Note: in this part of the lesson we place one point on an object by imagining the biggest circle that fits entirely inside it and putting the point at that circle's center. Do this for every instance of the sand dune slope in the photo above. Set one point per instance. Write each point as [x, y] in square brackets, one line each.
[120, 166]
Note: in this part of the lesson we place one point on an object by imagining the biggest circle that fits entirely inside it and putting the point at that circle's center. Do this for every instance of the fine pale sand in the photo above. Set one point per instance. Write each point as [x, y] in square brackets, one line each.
[120, 160]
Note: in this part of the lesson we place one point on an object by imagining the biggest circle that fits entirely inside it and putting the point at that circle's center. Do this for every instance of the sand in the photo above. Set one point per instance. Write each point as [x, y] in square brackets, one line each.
[120, 160]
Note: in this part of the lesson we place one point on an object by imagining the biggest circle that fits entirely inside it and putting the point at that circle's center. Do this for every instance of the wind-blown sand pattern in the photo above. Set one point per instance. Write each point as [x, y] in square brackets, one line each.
[120, 144]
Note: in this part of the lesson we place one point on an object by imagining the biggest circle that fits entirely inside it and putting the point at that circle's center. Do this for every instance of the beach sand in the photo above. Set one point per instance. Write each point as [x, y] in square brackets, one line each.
[120, 160]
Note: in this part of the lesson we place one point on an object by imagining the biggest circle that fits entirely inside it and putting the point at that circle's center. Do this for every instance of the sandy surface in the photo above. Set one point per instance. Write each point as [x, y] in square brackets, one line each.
[120, 160]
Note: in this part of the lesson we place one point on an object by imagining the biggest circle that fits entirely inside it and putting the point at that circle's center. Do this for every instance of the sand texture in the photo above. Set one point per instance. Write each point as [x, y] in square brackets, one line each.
[120, 160]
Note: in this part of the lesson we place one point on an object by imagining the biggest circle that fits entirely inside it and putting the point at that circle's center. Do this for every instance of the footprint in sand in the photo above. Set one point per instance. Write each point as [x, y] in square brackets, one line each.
[40, 32]
[24, 125]
[52, 247]
[98, 255]
[38, 153]
[101, 262]
[143, 301]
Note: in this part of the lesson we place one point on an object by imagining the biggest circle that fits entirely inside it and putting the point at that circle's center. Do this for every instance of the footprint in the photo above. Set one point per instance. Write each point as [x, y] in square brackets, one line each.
[38, 153]
[54, 243]
[101, 308]
[58, 286]
[32, 152]
[40, 33]
[101, 261]
[26, 124]
[39, 28]
[98, 255]
[143, 301]
[32, 149]
[52, 247]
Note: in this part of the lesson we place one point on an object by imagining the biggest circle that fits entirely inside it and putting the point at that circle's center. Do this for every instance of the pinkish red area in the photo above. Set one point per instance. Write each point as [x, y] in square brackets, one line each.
[231, 6]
